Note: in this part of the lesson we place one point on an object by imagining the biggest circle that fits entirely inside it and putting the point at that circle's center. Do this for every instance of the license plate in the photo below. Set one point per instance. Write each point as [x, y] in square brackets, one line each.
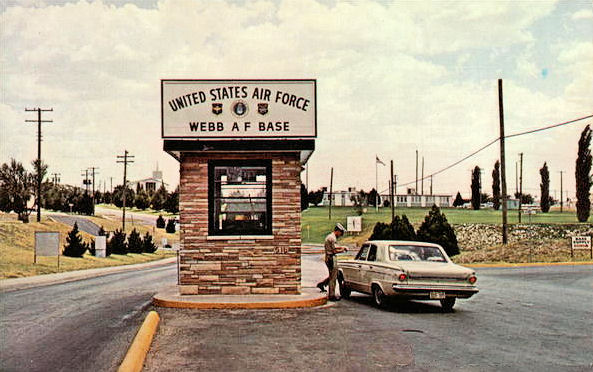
[437, 295]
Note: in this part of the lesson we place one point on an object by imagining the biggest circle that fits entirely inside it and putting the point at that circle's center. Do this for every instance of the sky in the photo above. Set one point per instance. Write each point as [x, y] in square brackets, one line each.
[392, 77]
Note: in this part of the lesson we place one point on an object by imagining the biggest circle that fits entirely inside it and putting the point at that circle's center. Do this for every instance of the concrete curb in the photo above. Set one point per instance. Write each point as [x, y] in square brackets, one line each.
[134, 359]
[173, 299]
[9, 285]
[527, 264]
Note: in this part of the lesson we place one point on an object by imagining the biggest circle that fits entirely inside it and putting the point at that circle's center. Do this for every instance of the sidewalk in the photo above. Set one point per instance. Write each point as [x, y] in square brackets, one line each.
[8, 285]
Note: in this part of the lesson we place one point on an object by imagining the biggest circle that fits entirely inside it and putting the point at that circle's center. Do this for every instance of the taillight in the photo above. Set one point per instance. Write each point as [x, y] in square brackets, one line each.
[402, 277]
[472, 279]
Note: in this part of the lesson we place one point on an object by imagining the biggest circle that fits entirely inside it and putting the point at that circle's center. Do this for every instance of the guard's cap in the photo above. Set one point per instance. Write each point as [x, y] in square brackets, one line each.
[339, 227]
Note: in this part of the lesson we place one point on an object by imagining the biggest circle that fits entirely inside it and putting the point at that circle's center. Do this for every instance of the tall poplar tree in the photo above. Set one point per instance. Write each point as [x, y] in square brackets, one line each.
[496, 186]
[545, 189]
[583, 175]
[476, 188]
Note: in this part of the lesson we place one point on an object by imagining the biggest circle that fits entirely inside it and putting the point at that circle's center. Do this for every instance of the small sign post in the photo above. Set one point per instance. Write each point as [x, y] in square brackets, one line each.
[354, 224]
[101, 246]
[47, 244]
[581, 243]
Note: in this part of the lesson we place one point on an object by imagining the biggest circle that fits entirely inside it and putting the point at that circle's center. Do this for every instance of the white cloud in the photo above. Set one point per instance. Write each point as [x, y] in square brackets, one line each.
[381, 86]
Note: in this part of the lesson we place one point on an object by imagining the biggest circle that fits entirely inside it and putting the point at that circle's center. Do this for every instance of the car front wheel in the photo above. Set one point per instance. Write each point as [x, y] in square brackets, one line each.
[378, 296]
[447, 304]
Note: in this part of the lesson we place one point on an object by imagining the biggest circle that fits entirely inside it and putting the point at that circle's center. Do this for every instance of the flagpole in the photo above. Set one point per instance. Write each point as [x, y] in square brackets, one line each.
[376, 185]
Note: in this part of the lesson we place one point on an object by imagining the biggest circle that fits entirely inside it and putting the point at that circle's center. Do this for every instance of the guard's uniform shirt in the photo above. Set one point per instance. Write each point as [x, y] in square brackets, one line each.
[331, 262]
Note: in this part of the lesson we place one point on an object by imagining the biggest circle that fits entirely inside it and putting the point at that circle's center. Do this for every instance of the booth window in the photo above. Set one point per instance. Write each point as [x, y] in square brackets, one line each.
[240, 197]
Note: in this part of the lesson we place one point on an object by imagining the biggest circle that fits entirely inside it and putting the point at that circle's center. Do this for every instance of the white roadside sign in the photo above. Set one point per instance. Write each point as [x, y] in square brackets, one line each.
[226, 109]
[581, 242]
[47, 243]
[354, 223]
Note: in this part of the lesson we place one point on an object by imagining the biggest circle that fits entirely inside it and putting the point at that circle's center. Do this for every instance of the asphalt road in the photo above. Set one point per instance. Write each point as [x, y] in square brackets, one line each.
[538, 319]
[523, 319]
[84, 224]
[86, 325]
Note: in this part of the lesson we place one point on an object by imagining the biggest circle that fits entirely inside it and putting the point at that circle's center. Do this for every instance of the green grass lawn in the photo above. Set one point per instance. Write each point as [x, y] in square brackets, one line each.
[136, 210]
[316, 223]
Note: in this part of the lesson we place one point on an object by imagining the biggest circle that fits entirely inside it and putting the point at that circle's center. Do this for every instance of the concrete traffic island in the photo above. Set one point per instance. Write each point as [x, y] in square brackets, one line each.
[308, 297]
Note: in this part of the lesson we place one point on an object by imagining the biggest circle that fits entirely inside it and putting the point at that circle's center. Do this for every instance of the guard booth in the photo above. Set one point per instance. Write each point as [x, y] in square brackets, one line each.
[242, 145]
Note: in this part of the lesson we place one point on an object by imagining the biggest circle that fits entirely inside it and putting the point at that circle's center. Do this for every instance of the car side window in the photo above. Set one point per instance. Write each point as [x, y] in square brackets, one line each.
[372, 253]
[362, 254]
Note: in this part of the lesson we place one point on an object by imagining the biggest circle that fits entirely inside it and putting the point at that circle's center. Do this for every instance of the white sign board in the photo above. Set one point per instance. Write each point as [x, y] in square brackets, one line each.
[47, 243]
[354, 223]
[101, 246]
[581, 242]
[226, 109]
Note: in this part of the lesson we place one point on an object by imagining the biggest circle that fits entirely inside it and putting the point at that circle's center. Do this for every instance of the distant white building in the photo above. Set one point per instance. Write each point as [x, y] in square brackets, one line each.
[345, 199]
[150, 184]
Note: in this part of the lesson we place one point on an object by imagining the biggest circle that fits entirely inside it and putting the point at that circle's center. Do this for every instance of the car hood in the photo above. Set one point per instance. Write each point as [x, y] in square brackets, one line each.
[419, 270]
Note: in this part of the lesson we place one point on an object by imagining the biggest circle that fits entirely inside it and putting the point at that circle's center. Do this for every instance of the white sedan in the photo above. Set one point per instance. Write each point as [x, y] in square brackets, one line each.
[404, 269]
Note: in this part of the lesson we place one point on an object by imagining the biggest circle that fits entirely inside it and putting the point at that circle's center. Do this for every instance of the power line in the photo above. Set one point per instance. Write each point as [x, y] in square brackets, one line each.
[497, 139]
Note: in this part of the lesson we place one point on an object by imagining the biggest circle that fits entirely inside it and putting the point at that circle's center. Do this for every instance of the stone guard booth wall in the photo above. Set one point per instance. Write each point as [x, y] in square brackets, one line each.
[226, 183]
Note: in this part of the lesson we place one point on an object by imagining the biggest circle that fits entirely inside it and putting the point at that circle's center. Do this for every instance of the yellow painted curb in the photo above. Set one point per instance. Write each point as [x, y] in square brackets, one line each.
[240, 305]
[527, 264]
[134, 360]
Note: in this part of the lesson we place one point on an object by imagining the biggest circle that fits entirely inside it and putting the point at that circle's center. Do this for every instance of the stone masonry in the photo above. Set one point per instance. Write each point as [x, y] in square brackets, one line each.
[243, 264]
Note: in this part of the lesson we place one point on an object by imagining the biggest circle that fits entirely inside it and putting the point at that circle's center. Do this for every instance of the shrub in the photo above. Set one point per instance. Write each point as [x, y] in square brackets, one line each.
[117, 243]
[381, 231]
[135, 242]
[171, 205]
[159, 198]
[160, 222]
[74, 247]
[170, 226]
[148, 244]
[142, 200]
[436, 229]
[402, 229]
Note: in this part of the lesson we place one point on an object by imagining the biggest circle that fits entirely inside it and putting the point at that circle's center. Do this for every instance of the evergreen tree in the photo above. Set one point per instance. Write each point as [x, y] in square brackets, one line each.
[148, 244]
[402, 229]
[315, 197]
[172, 203]
[304, 198]
[545, 188]
[16, 188]
[117, 196]
[75, 246]
[476, 188]
[381, 231]
[85, 205]
[170, 226]
[373, 197]
[117, 243]
[583, 175]
[458, 202]
[159, 198]
[135, 242]
[496, 186]
[160, 222]
[436, 229]
[142, 200]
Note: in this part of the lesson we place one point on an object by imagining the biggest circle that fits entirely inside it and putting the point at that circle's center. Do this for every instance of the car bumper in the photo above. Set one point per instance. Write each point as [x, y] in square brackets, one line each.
[424, 291]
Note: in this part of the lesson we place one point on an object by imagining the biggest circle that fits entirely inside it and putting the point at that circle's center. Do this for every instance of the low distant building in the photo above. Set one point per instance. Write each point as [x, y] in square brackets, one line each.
[344, 198]
[150, 184]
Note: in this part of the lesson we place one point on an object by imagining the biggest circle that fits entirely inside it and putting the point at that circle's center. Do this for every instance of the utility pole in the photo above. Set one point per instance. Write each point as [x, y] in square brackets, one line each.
[561, 193]
[416, 190]
[520, 183]
[39, 175]
[86, 179]
[111, 185]
[93, 175]
[331, 184]
[431, 185]
[125, 159]
[516, 177]
[503, 175]
[56, 178]
[422, 179]
[391, 193]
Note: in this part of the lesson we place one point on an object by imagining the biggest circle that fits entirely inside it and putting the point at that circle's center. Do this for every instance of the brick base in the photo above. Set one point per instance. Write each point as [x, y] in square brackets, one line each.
[245, 265]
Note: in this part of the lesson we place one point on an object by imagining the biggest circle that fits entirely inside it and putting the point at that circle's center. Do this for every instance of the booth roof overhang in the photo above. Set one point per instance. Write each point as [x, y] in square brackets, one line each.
[304, 147]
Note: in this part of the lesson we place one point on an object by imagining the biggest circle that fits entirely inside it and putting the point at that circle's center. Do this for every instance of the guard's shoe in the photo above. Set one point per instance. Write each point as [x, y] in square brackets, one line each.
[334, 299]
[321, 287]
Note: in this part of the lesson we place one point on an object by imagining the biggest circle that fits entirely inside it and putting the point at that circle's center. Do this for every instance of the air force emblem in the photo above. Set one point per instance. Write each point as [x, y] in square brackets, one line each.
[217, 108]
[262, 108]
[239, 108]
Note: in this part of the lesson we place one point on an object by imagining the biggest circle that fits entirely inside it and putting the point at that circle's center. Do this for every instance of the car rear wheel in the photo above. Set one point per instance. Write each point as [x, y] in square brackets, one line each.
[344, 290]
[447, 304]
[378, 296]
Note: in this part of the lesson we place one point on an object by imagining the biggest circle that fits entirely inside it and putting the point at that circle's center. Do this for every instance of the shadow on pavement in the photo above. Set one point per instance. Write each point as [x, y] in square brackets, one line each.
[400, 306]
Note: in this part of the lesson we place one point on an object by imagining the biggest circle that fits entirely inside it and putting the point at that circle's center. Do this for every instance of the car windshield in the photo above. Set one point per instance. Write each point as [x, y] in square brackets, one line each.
[415, 253]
